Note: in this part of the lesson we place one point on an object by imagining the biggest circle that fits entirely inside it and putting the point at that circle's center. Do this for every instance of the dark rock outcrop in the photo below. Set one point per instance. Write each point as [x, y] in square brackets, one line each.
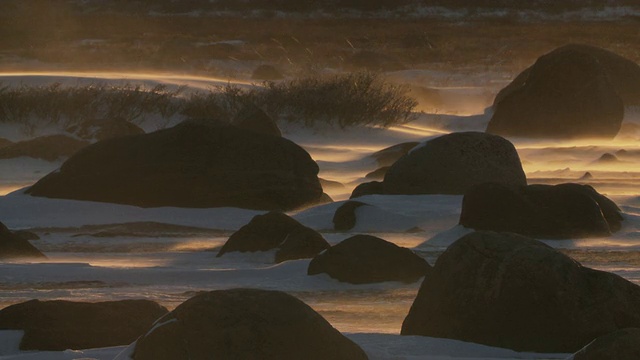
[345, 216]
[14, 246]
[301, 243]
[49, 148]
[453, 163]
[244, 324]
[571, 92]
[102, 129]
[368, 188]
[190, 165]
[543, 211]
[276, 230]
[619, 345]
[253, 118]
[378, 174]
[586, 176]
[59, 325]
[363, 259]
[509, 291]
[607, 158]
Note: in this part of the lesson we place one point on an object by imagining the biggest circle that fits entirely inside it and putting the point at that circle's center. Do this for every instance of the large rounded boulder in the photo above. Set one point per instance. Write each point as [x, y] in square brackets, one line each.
[253, 118]
[363, 259]
[391, 154]
[542, 211]
[49, 148]
[15, 246]
[344, 218]
[572, 92]
[451, 164]
[59, 325]
[276, 230]
[244, 324]
[505, 290]
[619, 345]
[193, 164]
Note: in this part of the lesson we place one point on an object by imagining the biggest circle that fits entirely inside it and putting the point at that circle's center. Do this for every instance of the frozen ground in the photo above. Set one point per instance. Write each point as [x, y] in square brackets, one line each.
[169, 265]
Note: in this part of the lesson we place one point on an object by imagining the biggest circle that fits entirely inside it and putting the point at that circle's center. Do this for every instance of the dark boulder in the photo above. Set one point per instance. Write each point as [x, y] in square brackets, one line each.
[509, 291]
[49, 148]
[364, 259]
[378, 174]
[607, 158]
[190, 165]
[368, 188]
[344, 218]
[619, 345]
[391, 154]
[253, 118]
[301, 243]
[276, 230]
[266, 72]
[543, 211]
[567, 93]
[60, 325]
[453, 163]
[586, 176]
[244, 324]
[13, 246]
[102, 129]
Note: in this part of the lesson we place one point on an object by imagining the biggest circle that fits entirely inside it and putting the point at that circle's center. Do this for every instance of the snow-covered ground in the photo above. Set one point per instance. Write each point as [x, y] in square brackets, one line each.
[171, 267]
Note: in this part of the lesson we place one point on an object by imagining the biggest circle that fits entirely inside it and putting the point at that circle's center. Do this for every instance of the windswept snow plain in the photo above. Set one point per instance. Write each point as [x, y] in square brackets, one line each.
[101, 251]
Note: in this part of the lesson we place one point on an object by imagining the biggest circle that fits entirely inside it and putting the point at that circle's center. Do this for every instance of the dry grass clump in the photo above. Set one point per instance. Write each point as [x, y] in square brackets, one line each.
[344, 100]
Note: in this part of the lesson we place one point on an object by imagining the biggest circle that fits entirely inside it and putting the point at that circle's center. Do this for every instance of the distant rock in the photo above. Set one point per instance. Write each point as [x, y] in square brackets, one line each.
[244, 324]
[373, 61]
[619, 345]
[508, 291]
[60, 325]
[364, 259]
[49, 148]
[193, 165]
[253, 118]
[14, 246]
[607, 158]
[571, 92]
[391, 154]
[276, 230]
[587, 176]
[453, 163]
[542, 211]
[344, 218]
[368, 188]
[378, 174]
[266, 72]
[622, 153]
[102, 129]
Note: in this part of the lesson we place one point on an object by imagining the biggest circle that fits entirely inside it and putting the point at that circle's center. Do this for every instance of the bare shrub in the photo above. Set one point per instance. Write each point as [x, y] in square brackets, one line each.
[351, 99]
